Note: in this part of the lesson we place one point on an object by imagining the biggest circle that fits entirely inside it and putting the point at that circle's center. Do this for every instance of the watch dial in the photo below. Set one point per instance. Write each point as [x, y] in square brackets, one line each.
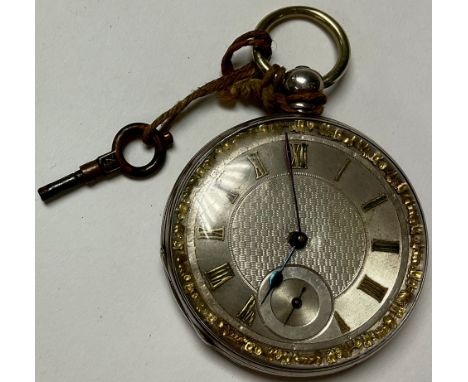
[228, 237]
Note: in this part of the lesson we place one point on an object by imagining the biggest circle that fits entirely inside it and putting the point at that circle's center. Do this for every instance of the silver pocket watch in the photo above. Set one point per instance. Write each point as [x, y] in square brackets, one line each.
[294, 244]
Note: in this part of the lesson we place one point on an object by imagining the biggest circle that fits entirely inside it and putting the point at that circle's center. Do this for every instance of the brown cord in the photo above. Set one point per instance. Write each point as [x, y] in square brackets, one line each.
[247, 83]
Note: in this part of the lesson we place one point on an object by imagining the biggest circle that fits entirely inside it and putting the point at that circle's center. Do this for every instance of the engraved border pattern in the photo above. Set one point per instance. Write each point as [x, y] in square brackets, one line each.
[352, 348]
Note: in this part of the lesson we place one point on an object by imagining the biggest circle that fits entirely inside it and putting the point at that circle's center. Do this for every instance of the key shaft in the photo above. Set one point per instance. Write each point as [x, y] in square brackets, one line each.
[89, 172]
[114, 161]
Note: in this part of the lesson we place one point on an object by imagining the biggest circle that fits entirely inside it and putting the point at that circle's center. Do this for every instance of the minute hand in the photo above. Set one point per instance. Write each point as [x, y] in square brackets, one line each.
[297, 239]
[291, 175]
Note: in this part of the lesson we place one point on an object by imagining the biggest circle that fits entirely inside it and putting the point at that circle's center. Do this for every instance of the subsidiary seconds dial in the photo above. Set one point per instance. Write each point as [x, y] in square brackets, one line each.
[227, 235]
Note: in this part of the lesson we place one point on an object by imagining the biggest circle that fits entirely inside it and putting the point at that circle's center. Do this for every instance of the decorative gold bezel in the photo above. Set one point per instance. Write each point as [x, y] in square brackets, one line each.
[353, 347]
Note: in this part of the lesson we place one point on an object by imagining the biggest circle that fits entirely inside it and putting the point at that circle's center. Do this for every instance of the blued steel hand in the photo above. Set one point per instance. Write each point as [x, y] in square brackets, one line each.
[297, 239]
[296, 303]
[290, 170]
[276, 277]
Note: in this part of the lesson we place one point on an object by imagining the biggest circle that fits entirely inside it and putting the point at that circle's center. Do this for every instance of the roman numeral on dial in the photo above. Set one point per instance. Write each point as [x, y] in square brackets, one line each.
[385, 246]
[372, 288]
[374, 202]
[344, 328]
[219, 275]
[260, 169]
[247, 313]
[211, 234]
[299, 155]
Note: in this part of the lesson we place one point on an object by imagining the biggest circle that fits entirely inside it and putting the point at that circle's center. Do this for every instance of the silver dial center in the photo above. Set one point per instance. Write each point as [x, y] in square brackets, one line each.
[260, 225]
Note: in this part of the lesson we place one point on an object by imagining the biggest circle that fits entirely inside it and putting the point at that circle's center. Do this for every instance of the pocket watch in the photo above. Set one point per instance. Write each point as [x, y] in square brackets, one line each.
[294, 244]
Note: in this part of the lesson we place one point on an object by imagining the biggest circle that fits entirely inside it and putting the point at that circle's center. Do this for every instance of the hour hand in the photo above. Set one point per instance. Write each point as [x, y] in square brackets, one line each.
[274, 281]
[276, 277]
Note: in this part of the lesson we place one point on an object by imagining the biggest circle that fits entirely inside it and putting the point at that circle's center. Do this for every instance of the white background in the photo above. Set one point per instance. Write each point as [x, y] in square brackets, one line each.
[104, 310]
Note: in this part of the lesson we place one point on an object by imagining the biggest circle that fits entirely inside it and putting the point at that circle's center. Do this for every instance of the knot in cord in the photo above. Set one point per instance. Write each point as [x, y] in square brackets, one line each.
[264, 90]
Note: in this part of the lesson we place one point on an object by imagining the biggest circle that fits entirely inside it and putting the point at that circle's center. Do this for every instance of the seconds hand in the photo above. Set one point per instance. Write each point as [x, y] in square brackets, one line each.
[296, 303]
